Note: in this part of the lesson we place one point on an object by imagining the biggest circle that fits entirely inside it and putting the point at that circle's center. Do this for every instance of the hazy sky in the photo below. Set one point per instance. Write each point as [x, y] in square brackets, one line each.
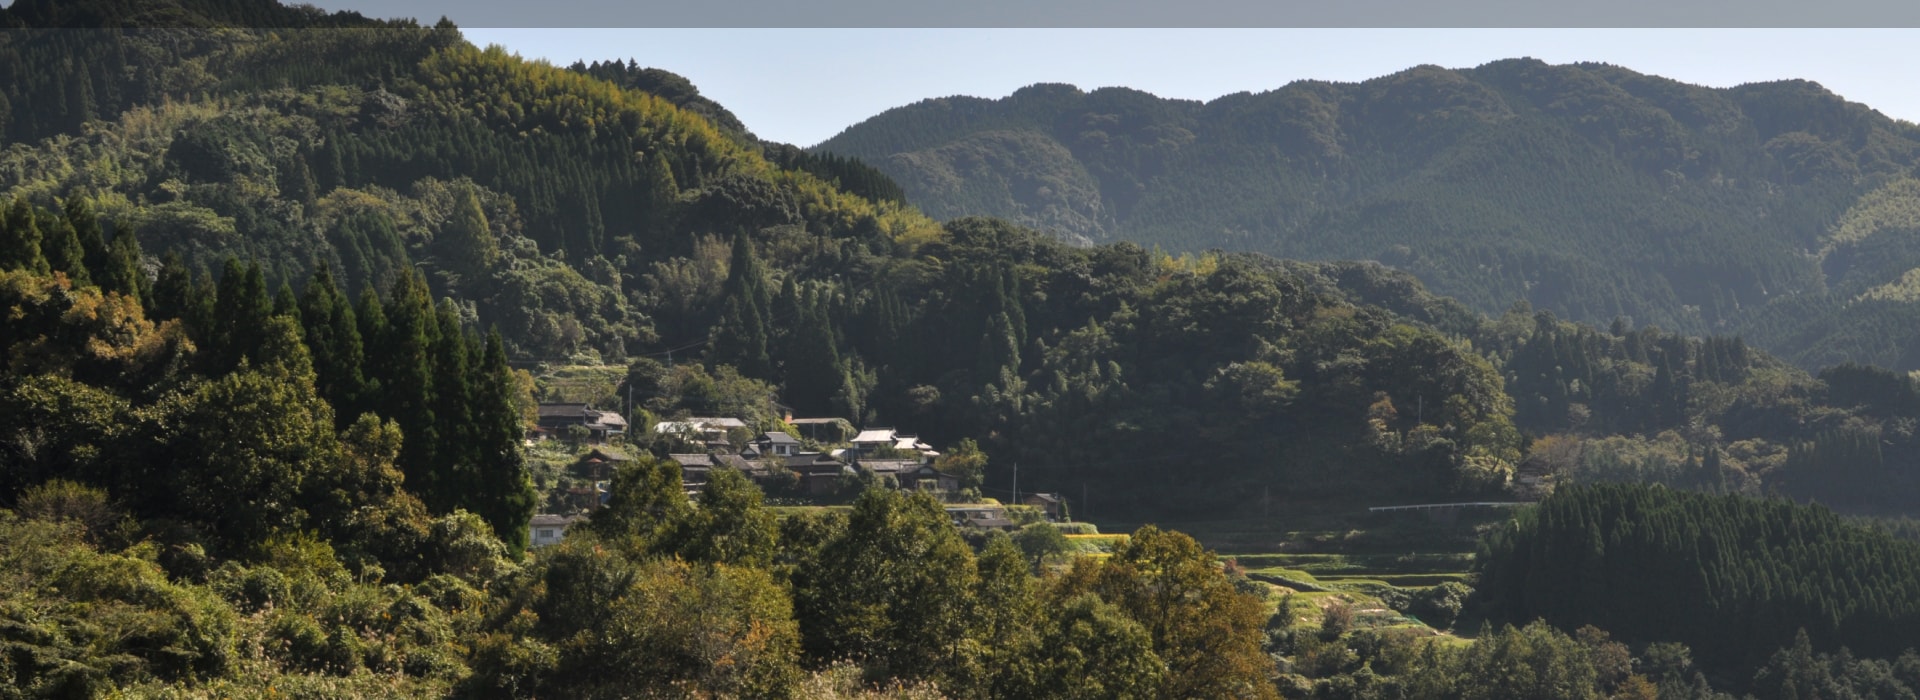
[804, 85]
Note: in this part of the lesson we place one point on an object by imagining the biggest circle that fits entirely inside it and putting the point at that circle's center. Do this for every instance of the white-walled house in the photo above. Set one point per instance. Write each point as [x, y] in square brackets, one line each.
[550, 529]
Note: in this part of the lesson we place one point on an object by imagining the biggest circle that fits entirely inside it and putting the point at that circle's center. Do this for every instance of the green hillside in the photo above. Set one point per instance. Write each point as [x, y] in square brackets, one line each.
[590, 220]
[355, 148]
[280, 292]
[1769, 210]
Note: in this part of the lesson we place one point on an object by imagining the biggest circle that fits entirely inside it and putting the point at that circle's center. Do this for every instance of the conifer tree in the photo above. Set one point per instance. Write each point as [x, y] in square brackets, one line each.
[20, 239]
[64, 253]
[404, 366]
[740, 338]
[173, 292]
[502, 488]
[816, 373]
[333, 338]
[298, 184]
[241, 310]
[123, 273]
[453, 455]
[467, 241]
[999, 348]
[370, 319]
[662, 192]
[93, 242]
[285, 303]
[785, 311]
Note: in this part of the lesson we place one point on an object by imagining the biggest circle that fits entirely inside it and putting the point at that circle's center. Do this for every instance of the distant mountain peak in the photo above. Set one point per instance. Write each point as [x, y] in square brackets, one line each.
[1588, 189]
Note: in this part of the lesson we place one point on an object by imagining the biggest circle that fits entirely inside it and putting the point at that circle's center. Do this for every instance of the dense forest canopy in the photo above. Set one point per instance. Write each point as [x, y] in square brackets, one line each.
[608, 213]
[1775, 211]
[1735, 579]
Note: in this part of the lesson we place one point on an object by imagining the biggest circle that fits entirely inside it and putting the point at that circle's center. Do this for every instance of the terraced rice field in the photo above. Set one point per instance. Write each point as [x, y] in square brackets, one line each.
[1412, 570]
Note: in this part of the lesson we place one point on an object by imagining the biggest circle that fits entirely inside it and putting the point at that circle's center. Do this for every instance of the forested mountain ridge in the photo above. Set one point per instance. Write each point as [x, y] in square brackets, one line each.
[1769, 210]
[259, 433]
[584, 218]
[353, 147]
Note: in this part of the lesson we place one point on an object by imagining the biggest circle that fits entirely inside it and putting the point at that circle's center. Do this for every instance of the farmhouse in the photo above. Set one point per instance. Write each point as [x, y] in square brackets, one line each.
[879, 441]
[557, 418]
[600, 462]
[925, 478]
[773, 444]
[819, 473]
[694, 469]
[549, 529]
[1052, 504]
[708, 432]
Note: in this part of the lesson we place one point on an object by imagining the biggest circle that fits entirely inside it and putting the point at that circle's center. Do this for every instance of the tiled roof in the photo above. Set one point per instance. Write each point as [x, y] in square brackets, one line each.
[691, 460]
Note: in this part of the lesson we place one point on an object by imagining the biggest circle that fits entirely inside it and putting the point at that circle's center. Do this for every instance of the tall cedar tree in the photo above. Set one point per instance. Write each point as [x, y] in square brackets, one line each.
[63, 251]
[285, 303]
[240, 313]
[466, 242]
[93, 246]
[333, 338]
[370, 318]
[740, 338]
[502, 488]
[662, 193]
[172, 292]
[816, 373]
[403, 363]
[123, 273]
[20, 239]
[449, 350]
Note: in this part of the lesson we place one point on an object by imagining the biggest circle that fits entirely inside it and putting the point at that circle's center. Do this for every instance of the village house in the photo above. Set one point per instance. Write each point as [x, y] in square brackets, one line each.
[599, 463]
[549, 529]
[693, 470]
[1052, 504]
[556, 418]
[899, 469]
[980, 516]
[772, 444]
[925, 478]
[884, 441]
[819, 473]
[710, 433]
[696, 469]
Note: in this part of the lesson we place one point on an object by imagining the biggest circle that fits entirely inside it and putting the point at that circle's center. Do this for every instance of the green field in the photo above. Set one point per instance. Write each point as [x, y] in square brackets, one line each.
[1327, 552]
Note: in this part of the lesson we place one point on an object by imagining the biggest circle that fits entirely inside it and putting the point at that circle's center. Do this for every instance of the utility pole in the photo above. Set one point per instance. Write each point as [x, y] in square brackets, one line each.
[1016, 484]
